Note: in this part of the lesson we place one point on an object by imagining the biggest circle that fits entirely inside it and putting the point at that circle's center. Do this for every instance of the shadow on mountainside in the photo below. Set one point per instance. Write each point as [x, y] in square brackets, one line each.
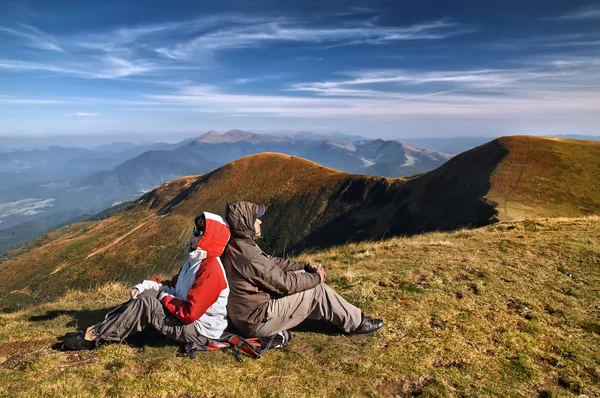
[447, 198]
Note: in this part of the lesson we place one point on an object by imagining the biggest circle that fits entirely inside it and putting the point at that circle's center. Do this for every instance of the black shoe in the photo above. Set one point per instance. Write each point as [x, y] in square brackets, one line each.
[77, 342]
[368, 326]
[74, 334]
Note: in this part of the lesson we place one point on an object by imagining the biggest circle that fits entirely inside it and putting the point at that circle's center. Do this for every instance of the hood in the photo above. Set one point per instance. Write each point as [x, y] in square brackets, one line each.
[216, 235]
[241, 217]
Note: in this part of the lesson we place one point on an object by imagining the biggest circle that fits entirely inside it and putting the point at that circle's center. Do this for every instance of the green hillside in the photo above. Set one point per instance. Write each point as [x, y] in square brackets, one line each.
[508, 310]
[310, 206]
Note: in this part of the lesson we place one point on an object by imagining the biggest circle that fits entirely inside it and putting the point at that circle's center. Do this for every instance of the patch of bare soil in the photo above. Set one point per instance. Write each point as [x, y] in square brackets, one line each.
[408, 387]
[18, 355]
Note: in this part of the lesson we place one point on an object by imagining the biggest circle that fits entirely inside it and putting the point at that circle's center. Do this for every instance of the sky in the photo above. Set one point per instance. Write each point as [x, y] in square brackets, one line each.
[388, 69]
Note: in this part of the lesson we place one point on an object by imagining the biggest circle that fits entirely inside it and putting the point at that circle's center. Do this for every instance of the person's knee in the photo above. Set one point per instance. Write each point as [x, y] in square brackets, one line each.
[148, 301]
[149, 293]
[324, 288]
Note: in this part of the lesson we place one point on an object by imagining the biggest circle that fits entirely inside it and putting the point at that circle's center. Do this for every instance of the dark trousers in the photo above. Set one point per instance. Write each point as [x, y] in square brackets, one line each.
[145, 311]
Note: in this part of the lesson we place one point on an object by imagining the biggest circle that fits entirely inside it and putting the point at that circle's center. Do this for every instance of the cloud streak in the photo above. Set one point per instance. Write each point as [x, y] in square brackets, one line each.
[586, 13]
[7, 99]
[291, 31]
[559, 87]
[105, 67]
[464, 80]
[33, 37]
[157, 49]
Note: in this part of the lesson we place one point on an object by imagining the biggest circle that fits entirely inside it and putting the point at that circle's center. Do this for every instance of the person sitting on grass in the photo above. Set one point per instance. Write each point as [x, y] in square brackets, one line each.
[190, 308]
[270, 294]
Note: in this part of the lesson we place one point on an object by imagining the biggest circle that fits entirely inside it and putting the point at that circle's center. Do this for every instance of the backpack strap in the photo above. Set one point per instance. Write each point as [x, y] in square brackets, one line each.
[253, 347]
[250, 347]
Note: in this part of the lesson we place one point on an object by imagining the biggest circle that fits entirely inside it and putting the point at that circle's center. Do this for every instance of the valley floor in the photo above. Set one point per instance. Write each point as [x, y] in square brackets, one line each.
[508, 310]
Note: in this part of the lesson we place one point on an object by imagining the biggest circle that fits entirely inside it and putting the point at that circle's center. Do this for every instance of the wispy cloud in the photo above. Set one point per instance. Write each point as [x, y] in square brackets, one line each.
[262, 78]
[192, 44]
[33, 37]
[557, 87]
[469, 79]
[586, 13]
[564, 42]
[289, 30]
[152, 35]
[7, 99]
[86, 114]
[105, 67]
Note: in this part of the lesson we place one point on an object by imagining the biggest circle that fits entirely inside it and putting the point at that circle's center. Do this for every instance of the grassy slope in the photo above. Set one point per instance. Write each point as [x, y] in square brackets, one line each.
[506, 310]
[546, 177]
[310, 206]
[148, 237]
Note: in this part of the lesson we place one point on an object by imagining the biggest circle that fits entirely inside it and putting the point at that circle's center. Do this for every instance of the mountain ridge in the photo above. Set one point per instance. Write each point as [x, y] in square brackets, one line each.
[311, 206]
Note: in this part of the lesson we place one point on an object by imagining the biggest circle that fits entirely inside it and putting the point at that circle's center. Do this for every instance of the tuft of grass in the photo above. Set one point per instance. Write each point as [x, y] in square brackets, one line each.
[462, 318]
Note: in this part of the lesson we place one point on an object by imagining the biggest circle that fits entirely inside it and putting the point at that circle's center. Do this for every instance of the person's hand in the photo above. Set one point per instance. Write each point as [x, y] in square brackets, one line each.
[134, 293]
[312, 268]
[322, 273]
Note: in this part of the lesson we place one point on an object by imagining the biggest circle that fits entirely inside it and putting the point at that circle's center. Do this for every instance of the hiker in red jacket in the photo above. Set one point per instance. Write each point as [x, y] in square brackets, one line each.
[190, 308]
[270, 294]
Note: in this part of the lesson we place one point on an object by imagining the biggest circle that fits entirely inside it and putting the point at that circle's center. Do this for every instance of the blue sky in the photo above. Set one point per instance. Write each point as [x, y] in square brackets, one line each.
[378, 68]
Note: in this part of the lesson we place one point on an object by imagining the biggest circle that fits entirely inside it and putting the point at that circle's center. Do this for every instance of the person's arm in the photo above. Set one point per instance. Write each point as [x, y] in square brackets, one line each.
[167, 286]
[287, 264]
[157, 284]
[268, 276]
[205, 291]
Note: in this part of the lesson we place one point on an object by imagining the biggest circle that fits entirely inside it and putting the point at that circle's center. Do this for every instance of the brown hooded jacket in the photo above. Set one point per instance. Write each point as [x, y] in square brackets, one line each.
[254, 277]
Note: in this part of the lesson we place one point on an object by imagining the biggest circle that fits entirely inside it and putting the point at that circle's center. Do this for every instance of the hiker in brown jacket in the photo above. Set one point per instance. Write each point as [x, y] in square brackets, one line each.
[270, 294]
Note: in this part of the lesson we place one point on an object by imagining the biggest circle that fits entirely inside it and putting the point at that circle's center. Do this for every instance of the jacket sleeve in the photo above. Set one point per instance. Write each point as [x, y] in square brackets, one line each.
[268, 276]
[205, 291]
[287, 264]
[153, 283]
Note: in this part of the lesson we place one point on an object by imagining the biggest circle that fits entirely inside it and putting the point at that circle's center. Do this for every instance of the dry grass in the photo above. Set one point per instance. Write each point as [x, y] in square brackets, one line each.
[508, 310]
[310, 206]
[546, 177]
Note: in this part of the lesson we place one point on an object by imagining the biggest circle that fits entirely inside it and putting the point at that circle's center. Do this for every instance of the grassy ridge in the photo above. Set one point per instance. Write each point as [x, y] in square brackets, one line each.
[546, 177]
[310, 206]
[507, 310]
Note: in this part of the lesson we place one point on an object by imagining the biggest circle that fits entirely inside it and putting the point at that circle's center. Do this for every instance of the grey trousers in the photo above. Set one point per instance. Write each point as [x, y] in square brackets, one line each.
[319, 303]
[145, 311]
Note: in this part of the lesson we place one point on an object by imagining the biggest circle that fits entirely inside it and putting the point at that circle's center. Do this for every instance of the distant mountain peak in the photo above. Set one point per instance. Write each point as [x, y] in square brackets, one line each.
[340, 144]
[235, 136]
[214, 137]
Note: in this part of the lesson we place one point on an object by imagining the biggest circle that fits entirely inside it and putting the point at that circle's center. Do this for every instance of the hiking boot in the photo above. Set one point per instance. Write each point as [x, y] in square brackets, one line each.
[74, 334]
[77, 342]
[368, 326]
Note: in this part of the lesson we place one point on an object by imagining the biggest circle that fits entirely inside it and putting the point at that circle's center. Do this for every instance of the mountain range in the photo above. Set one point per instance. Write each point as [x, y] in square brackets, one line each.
[311, 206]
[47, 187]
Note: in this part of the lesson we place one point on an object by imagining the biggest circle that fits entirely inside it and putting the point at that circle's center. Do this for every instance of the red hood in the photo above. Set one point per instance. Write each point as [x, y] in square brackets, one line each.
[216, 235]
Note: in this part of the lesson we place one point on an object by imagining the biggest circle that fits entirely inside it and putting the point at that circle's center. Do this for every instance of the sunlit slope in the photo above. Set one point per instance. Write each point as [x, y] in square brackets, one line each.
[310, 206]
[546, 177]
[149, 237]
[507, 310]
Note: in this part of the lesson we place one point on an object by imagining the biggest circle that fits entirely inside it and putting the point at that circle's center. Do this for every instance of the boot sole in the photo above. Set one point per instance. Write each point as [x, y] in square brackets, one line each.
[367, 333]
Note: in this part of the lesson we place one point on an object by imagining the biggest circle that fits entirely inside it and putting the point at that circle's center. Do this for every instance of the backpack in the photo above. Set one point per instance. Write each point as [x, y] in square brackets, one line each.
[253, 347]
